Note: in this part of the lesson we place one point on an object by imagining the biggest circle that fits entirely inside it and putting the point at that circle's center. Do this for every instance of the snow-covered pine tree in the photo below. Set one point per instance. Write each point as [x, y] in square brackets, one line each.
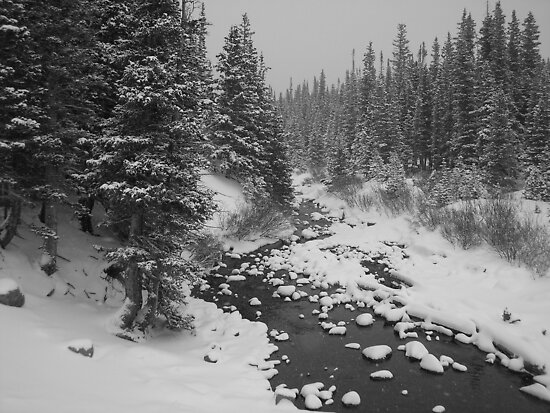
[464, 74]
[499, 157]
[248, 143]
[145, 167]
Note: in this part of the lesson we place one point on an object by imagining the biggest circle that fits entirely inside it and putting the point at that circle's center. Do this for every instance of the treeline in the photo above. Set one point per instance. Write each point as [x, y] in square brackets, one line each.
[480, 102]
[114, 102]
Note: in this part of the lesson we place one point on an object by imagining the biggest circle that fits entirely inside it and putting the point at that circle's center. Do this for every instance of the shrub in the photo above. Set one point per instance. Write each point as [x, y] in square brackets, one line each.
[461, 225]
[262, 218]
[502, 228]
[206, 249]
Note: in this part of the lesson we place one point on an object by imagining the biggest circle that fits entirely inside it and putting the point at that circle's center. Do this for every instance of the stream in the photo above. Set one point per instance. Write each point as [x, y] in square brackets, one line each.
[311, 355]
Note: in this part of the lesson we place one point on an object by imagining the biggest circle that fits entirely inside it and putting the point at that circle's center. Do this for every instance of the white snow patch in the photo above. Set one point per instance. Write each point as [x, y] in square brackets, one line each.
[382, 375]
[378, 352]
[430, 363]
[365, 319]
[351, 398]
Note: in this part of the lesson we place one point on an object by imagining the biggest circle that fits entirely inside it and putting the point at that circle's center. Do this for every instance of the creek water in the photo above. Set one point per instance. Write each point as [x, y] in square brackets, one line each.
[312, 355]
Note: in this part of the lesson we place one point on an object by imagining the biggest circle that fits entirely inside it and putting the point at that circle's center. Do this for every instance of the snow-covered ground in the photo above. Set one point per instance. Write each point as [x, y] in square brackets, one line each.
[466, 291]
[168, 373]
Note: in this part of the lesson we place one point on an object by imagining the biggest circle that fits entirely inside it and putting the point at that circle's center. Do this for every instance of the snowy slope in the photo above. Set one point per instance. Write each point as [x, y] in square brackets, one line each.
[466, 291]
[166, 374]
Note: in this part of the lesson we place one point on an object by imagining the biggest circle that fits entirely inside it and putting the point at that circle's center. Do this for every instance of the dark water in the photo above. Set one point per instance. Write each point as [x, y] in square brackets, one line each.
[315, 355]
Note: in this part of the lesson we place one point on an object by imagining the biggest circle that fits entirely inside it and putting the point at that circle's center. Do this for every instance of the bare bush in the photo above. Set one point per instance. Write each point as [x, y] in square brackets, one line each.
[261, 218]
[395, 201]
[206, 249]
[461, 225]
[516, 238]
[501, 227]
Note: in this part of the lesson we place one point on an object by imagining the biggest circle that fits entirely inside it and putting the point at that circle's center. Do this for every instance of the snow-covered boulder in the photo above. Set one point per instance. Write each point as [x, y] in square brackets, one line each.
[364, 319]
[375, 353]
[381, 375]
[313, 402]
[286, 290]
[351, 398]
[431, 363]
[82, 346]
[10, 294]
[416, 350]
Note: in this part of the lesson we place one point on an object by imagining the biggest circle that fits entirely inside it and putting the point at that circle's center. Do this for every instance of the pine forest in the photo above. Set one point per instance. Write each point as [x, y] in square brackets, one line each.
[182, 236]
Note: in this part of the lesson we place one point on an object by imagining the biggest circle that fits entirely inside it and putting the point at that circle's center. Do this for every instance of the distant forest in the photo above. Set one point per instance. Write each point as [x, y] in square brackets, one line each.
[480, 102]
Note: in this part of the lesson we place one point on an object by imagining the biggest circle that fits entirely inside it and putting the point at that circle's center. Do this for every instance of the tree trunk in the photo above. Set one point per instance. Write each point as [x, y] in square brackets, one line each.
[85, 216]
[132, 280]
[12, 215]
[152, 305]
[48, 262]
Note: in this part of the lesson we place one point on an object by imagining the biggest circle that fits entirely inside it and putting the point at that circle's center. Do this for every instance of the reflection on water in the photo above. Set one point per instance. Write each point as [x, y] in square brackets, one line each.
[316, 356]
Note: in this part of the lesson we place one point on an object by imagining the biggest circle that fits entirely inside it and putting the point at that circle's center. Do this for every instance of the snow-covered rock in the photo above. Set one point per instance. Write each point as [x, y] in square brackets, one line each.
[313, 402]
[365, 319]
[416, 350]
[254, 301]
[337, 331]
[10, 293]
[379, 352]
[381, 375]
[311, 388]
[286, 290]
[351, 398]
[537, 390]
[431, 363]
[459, 367]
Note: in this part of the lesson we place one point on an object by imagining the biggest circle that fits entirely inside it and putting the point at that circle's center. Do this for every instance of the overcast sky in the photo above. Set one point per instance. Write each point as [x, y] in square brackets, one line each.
[300, 37]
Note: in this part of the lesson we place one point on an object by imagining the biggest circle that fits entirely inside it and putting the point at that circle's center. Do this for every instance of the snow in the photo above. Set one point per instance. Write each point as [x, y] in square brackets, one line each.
[459, 367]
[7, 285]
[415, 350]
[167, 373]
[351, 398]
[378, 352]
[337, 331]
[463, 292]
[438, 409]
[381, 375]
[364, 319]
[537, 390]
[286, 290]
[313, 402]
[254, 301]
[430, 363]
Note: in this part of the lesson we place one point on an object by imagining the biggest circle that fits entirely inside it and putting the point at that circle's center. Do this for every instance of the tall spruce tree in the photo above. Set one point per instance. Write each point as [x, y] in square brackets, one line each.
[145, 167]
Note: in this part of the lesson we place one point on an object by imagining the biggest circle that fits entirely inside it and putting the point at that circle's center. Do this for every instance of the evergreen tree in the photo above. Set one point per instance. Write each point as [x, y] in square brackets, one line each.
[145, 167]
[443, 107]
[464, 75]
[499, 159]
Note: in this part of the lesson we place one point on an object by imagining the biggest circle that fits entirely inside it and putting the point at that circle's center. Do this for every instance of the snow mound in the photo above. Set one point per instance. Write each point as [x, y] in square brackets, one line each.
[337, 331]
[8, 285]
[379, 352]
[286, 290]
[382, 375]
[537, 390]
[365, 319]
[313, 402]
[416, 350]
[351, 398]
[431, 363]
